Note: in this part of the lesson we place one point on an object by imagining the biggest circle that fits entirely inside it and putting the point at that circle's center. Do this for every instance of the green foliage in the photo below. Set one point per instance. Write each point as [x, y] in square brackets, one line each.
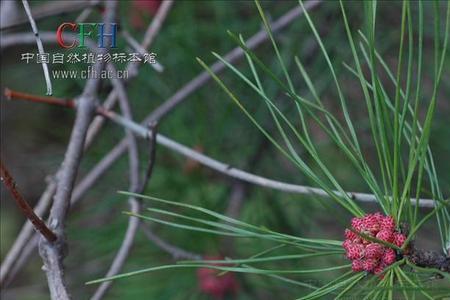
[404, 167]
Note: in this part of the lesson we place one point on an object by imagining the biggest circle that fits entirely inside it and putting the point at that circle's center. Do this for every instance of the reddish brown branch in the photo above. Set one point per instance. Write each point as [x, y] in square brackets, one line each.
[15, 95]
[26, 209]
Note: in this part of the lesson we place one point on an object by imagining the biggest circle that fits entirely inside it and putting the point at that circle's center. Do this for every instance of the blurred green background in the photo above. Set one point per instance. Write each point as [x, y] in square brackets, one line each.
[34, 138]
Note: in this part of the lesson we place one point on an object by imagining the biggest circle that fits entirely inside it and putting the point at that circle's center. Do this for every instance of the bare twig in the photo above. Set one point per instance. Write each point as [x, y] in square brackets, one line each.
[86, 12]
[26, 209]
[40, 46]
[25, 255]
[136, 47]
[135, 206]
[239, 190]
[9, 12]
[48, 9]
[20, 244]
[228, 170]
[98, 121]
[157, 22]
[110, 158]
[429, 259]
[10, 94]
[153, 128]
[175, 252]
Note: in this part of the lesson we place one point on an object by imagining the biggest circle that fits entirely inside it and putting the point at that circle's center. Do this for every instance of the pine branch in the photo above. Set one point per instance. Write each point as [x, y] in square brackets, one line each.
[228, 170]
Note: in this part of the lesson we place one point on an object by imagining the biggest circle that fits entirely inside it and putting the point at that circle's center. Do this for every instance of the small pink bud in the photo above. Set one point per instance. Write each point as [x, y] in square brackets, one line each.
[355, 251]
[371, 223]
[389, 256]
[350, 235]
[357, 223]
[357, 265]
[399, 239]
[385, 235]
[346, 244]
[374, 250]
[378, 269]
[388, 223]
[370, 264]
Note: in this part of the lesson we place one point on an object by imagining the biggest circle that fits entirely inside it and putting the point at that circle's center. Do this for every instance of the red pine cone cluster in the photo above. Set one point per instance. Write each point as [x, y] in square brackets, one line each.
[217, 285]
[367, 255]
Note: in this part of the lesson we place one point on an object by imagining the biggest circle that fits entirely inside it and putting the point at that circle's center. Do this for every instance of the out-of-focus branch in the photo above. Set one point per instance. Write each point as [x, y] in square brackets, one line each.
[86, 12]
[26, 209]
[49, 9]
[136, 47]
[231, 57]
[175, 252]
[135, 206]
[239, 190]
[18, 248]
[40, 46]
[9, 13]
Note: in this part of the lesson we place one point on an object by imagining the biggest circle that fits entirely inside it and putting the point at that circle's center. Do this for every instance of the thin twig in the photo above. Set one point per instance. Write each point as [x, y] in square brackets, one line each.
[141, 50]
[40, 46]
[239, 191]
[157, 22]
[228, 170]
[86, 12]
[20, 246]
[49, 9]
[135, 206]
[23, 258]
[153, 128]
[122, 253]
[26, 209]
[175, 252]
[10, 94]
